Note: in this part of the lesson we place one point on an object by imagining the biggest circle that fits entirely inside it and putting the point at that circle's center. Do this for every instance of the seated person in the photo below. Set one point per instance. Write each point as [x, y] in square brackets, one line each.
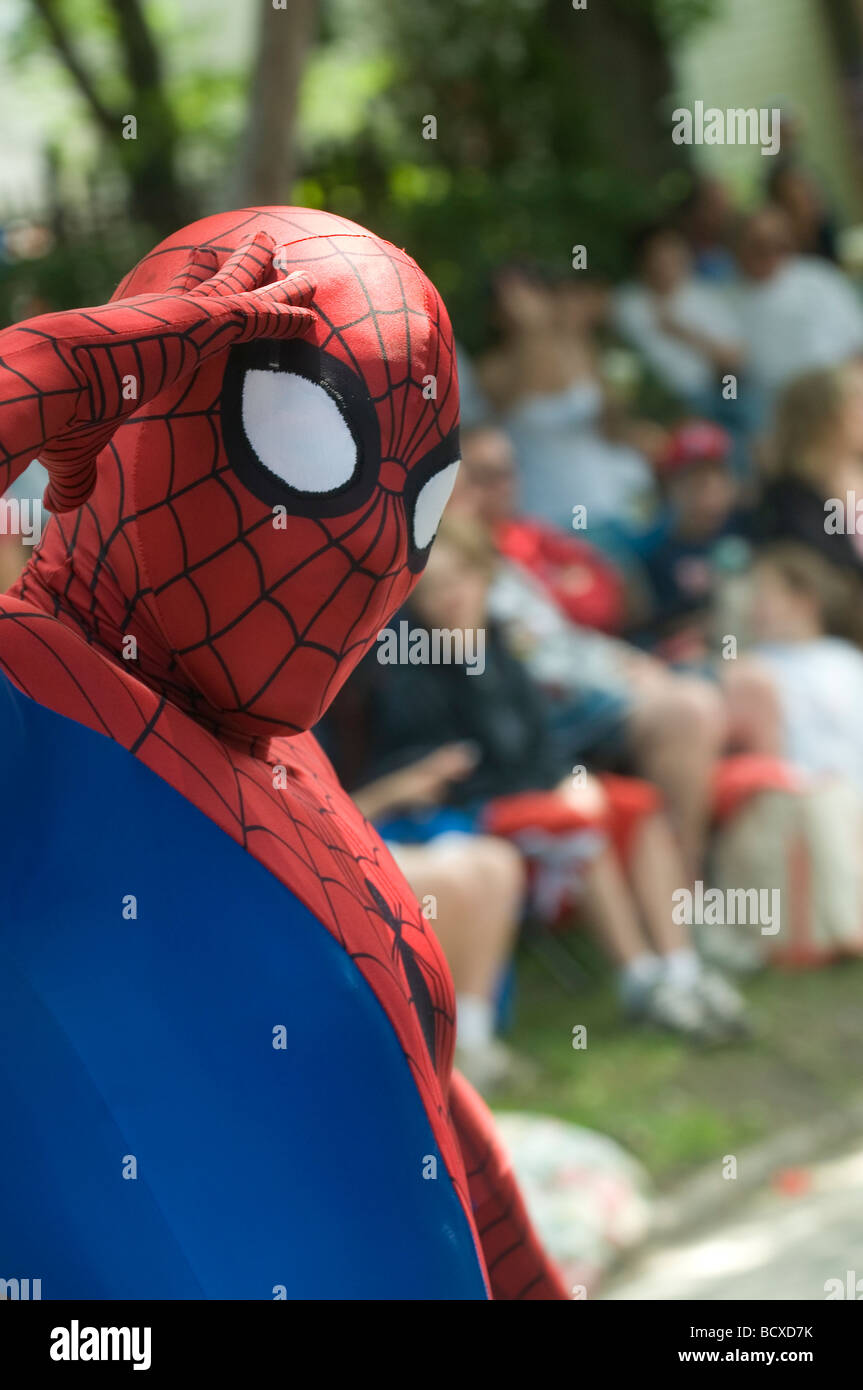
[611, 703]
[798, 601]
[816, 477]
[544, 379]
[679, 324]
[697, 540]
[471, 888]
[705, 219]
[605, 844]
[795, 312]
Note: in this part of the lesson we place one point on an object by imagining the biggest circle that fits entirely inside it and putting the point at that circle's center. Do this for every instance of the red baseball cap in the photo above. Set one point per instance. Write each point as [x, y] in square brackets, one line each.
[696, 441]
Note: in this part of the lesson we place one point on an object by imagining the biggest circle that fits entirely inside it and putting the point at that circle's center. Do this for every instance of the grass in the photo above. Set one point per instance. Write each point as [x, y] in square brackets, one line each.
[674, 1106]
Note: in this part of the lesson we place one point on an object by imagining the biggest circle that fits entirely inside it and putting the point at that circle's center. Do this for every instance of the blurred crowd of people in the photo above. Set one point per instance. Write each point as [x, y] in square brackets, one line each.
[654, 526]
[655, 529]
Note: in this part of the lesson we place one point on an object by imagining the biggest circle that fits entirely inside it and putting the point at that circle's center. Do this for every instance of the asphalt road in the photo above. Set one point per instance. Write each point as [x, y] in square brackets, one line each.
[786, 1242]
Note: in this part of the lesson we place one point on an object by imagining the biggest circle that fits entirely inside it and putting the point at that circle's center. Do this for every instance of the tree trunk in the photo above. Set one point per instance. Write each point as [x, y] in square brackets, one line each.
[269, 149]
[157, 197]
[624, 65]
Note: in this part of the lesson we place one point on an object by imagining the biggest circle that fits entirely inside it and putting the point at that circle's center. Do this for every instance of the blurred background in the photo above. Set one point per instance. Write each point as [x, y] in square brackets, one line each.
[660, 351]
[553, 124]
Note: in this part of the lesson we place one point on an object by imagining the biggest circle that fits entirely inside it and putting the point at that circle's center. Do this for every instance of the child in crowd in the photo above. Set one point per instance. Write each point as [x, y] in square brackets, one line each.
[697, 540]
[816, 477]
[798, 602]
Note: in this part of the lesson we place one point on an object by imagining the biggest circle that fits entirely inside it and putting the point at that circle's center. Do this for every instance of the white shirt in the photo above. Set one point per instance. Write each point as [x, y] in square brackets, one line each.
[558, 653]
[564, 460]
[693, 305]
[807, 315]
[820, 689]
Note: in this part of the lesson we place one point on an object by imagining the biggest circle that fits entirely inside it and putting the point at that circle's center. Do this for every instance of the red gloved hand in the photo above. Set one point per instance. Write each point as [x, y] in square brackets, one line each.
[90, 369]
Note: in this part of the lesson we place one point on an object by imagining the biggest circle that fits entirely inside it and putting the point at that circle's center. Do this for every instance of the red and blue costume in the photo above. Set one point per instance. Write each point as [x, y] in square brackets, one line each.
[226, 1030]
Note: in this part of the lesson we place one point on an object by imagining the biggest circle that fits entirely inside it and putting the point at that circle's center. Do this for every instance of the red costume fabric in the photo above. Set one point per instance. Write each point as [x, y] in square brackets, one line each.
[273, 458]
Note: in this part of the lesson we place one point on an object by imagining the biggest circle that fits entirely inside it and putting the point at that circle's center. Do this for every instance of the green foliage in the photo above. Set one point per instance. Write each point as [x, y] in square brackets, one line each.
[552, 126]
[678, 18]
[187, 114]
[552, 130]
[677, 1107]
[76, 273]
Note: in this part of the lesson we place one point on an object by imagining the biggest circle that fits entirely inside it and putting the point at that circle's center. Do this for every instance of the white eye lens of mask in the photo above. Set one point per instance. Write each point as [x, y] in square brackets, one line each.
[431, 500]
[297, 431]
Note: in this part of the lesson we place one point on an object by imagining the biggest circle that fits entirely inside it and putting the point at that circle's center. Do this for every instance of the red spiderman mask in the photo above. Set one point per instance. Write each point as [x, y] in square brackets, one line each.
[254, 526]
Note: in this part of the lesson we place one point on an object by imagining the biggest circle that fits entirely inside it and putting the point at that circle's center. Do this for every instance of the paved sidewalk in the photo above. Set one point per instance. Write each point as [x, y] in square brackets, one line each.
[778, 1244]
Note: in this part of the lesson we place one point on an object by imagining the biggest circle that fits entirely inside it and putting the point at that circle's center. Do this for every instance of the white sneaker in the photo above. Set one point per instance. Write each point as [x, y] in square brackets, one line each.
[723, 1002]
[733, 950]
[678, 1010]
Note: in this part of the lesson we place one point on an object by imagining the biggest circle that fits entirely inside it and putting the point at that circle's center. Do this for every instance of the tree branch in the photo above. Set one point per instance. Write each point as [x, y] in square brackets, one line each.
[62, 41]
[268, 158]
[141, 55]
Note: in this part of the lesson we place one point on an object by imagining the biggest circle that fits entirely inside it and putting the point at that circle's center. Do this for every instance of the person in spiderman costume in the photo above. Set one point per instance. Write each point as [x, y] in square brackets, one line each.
[226, 1030]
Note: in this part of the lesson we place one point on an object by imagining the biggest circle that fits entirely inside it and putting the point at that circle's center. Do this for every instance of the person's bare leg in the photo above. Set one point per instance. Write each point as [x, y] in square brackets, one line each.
[641, 973]
[656, 872]
[666, 986]
[678, 730]
[492, 876]
[439, 886]
[13, 558]
[610, 908]
[606, 896]
[754, 709]
[474, 887]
